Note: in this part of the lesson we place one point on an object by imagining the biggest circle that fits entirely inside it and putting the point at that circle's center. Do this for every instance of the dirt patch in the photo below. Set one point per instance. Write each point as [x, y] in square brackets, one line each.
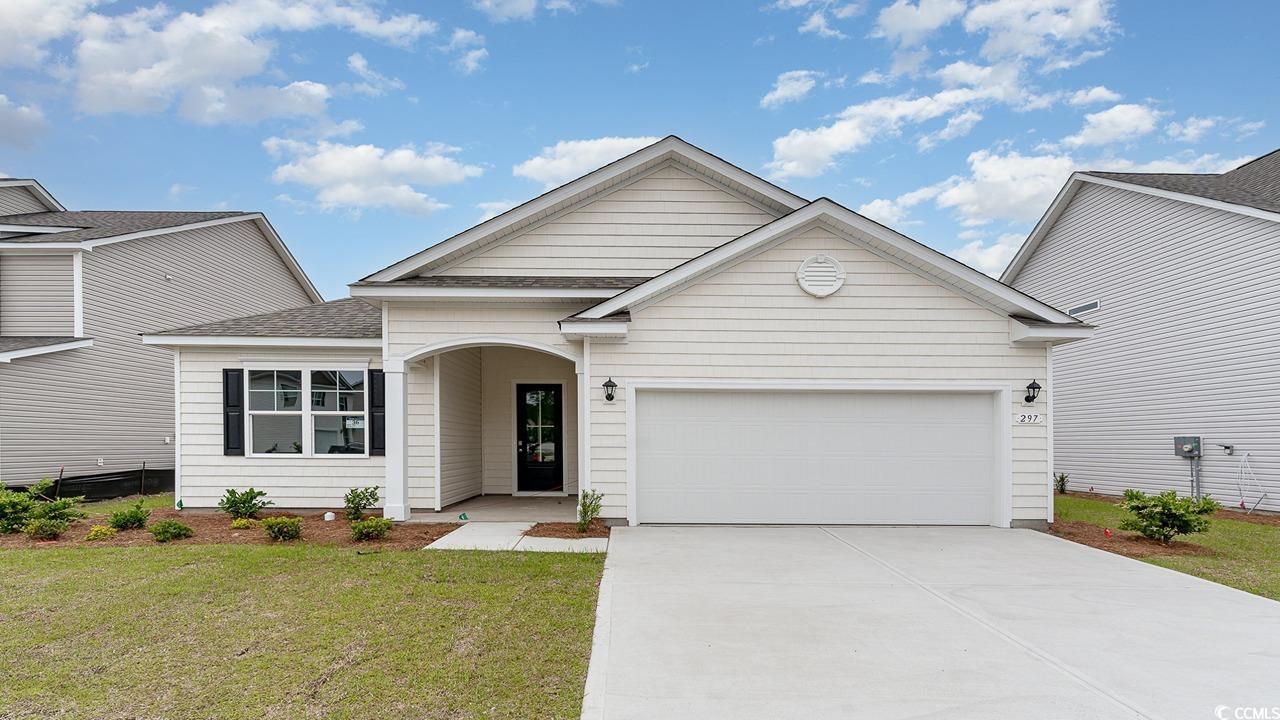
[1259, 517]
[569, 530]
[1123, 542]
[215, 528]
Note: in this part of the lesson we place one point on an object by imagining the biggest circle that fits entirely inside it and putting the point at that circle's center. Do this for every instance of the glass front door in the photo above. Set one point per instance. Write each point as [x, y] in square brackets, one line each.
[539, 438]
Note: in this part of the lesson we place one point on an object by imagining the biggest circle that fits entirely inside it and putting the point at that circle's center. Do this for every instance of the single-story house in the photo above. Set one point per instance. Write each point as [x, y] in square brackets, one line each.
[691, 341]
[1178, 271]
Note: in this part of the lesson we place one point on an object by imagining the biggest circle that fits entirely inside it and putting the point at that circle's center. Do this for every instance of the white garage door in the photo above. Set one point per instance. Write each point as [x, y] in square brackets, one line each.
[815, 457]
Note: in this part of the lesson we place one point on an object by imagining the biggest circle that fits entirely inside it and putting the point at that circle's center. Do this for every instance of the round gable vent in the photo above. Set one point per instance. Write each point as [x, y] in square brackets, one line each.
[820, 275]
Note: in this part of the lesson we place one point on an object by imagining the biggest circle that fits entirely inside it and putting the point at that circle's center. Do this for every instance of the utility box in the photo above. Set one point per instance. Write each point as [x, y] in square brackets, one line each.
[1186, 446]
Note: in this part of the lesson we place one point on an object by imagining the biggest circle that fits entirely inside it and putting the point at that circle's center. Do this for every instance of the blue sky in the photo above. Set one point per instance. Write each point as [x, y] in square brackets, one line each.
[369, 130]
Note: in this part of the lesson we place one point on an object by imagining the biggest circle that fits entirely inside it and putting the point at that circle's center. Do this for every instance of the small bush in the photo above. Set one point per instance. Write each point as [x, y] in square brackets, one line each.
[1060, 483]
[62, 510]
[282, 529]
[371, 529]
[100, 532]
[166, 530]
[15, 510]
[134, 518]
[358, 500]
[241, 524]
[46, 528]
[589, 504]
[1165, 516]
[244, 504]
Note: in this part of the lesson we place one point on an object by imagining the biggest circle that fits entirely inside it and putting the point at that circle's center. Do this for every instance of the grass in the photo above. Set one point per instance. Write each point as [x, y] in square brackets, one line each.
[104, 508]
[1246, 555]
[246, 631]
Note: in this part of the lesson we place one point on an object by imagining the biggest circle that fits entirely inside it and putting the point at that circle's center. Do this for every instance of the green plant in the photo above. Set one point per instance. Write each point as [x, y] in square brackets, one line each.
[1165, 516]
[166, 530]
[1060, 483]
[374, 528]
[241, 524]
[358, 500]
[19, 508]
[46, 528]
[133, 518]
[243, 504]
[589, 504]
[62, 510]
[16, 507]
[281, 529]
[100, 532]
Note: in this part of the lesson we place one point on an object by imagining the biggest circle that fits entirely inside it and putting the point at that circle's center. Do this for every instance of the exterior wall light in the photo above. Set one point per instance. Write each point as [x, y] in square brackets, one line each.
[1033, 392]
[609, 387]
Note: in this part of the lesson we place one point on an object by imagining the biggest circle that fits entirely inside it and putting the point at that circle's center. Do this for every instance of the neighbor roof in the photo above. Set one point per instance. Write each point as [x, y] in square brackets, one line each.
[346, 318]
[513, 281]
[14, 347]
[97, 224]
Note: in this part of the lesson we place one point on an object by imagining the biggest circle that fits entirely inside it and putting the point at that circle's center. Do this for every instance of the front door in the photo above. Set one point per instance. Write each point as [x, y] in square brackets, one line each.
[539, 438]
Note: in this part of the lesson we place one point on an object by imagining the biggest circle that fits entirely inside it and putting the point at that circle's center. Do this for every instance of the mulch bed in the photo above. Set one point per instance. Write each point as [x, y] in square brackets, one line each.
[1259, 517]
[569, 530]
[1123, 542]
[215, 528]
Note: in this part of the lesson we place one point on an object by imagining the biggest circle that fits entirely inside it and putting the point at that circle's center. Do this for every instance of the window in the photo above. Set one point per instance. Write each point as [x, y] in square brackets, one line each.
[1087, 307]
[331, 420]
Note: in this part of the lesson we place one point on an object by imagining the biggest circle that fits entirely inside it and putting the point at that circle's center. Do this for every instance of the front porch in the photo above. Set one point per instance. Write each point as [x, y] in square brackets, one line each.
[504, 508]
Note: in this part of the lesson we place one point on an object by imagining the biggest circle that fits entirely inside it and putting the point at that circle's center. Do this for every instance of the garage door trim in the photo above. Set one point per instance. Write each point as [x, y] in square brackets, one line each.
[1000, 394]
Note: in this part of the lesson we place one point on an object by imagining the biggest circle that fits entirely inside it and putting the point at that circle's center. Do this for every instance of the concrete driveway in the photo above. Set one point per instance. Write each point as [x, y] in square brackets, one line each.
[808, 622]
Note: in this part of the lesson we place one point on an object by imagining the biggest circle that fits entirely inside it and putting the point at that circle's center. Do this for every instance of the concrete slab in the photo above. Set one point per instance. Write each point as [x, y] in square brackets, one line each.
[506, 508]
[724, 622]
[483, 536]
[544, 544]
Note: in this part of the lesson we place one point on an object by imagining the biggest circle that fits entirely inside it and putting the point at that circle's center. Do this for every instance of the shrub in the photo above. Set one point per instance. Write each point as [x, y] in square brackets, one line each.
[1165, 516]
[371, 529]
[18, 509]
[62, 510]
[100, 532]
[241, 524]
[281, 529]
[166, 530]
[358, 500]
[134, 518]
[589, 504]
[244, 504]
[46, 528]
[15, 510]
[1060, 483]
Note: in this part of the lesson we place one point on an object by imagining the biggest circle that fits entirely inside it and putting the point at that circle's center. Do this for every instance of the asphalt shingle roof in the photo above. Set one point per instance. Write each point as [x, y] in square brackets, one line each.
[346, 318]
[26, 342]
[514, 281]
[1255, 184]
[96, 224]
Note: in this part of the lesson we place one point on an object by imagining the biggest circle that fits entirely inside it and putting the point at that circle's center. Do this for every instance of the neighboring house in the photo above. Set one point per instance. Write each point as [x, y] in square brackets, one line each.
[1179, 274]
[78, 389]
[689, 340]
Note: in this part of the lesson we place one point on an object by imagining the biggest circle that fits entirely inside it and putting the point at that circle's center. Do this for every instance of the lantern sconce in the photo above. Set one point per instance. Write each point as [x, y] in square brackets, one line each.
[1033, 392]
[609, 387]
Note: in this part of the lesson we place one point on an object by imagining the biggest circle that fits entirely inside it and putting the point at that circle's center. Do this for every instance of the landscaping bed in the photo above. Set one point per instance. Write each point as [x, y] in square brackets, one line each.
[568, 530]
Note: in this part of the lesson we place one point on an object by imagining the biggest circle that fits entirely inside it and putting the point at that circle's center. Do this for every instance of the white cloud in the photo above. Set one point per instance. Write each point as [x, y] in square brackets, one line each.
[957, 126]
[374, 83]
[1008, 187]
[1096, 94]
[469, 48]
[494, 208]
[791, 86]
[1184, 162]
[356, 177]
[1066, 63]
[818, 14]
[1115, 124]
[177, 190]
[874, 77]
[991, 258]
[570, 159]
[1245, 128]
[894, 212]
[817, 24]
[211, 105]
[471, 60]
[636, 68]
[32, 24]
[1037, 28]
[20, 125]
[506, 10]
[909, 24]
[1190, 130]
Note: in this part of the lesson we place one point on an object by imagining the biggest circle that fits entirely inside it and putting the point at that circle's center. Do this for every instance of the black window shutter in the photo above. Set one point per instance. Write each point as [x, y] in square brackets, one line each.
[233, 412]
[377, 413]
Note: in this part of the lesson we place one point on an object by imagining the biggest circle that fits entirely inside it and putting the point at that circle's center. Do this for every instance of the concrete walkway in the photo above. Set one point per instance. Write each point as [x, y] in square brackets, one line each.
[510, 536]
[807, 622]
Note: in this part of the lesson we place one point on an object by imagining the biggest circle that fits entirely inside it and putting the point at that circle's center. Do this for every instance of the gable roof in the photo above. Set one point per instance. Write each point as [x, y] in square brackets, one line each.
[87, 225]
[345, 318]
[1252, 189]
[670, 148]
[886, 242]
[37, 190]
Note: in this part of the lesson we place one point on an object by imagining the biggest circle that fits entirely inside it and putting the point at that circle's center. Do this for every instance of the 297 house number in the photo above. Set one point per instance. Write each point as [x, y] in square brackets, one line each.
[1030, 418]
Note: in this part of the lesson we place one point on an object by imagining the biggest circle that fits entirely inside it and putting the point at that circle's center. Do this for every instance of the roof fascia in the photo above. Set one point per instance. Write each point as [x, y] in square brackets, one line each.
[44, 350]
[36, 189]
[256, 341]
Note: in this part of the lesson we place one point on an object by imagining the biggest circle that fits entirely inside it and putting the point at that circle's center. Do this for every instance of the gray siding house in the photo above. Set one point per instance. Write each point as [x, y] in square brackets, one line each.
[78, 389]
[1179, 275]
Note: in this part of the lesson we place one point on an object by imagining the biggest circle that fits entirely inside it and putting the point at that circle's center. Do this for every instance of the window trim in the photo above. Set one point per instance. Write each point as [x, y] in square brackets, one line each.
[305, 413]
[1088, 307]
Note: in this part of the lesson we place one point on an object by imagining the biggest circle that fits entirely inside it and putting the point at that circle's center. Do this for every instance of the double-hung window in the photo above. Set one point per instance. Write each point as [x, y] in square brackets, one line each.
[307, 412]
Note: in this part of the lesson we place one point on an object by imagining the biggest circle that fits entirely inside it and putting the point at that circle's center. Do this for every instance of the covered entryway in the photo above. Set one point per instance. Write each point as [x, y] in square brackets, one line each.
[816, 457]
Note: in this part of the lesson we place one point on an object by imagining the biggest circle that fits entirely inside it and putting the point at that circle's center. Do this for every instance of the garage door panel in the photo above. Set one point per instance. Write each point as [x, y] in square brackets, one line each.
[802, 457]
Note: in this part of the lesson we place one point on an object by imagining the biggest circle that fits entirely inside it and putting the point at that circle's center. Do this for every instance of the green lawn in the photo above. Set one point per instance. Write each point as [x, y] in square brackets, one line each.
[103, 508]
[1246, 555]
[244, 631]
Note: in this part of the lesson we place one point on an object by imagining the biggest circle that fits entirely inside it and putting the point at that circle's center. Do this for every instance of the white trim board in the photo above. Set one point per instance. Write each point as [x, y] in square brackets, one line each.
[44, 350]
[399, 292]
[251, 341]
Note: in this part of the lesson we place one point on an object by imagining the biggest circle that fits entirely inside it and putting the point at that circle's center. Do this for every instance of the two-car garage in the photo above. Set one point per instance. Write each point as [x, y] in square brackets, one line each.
[832, 456]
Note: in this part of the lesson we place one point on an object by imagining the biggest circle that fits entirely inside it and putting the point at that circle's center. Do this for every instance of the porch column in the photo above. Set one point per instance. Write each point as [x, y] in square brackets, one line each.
[397, 503]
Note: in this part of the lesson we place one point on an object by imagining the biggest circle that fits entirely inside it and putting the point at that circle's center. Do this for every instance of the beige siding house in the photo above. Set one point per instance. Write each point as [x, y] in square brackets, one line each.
[670, 331]
[79, 392]
[1178, 273]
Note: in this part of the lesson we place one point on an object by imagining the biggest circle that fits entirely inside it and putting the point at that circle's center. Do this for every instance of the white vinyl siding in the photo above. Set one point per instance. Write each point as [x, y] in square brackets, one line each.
[36, 295]
[1184, 346]
[502, 368]
[18, 201]
[420, 428]
[641, 229]
[461, 454]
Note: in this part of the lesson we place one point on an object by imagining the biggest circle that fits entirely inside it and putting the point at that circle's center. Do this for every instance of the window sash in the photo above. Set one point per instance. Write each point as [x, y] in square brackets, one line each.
[304, 411]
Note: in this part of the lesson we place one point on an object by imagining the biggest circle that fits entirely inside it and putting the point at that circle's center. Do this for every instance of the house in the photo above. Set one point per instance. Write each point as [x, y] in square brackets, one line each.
[1178, 273]
[671, 331]
[78, 389]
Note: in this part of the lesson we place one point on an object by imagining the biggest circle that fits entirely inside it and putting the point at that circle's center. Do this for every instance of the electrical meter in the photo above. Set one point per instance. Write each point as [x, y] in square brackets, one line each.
[1186, 446]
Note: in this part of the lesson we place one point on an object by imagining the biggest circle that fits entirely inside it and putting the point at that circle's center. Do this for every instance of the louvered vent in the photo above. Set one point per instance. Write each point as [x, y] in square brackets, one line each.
[820, 276]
